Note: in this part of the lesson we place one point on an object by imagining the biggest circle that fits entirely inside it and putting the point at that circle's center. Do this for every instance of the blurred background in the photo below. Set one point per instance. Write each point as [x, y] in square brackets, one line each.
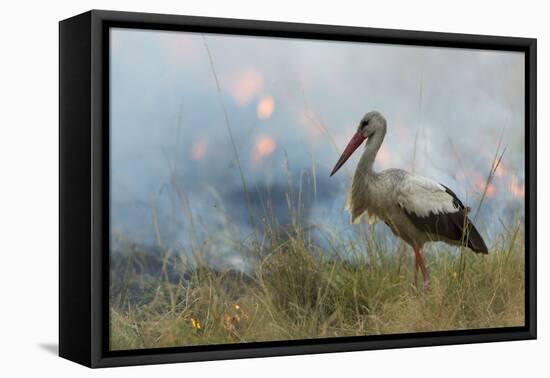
[192, 162]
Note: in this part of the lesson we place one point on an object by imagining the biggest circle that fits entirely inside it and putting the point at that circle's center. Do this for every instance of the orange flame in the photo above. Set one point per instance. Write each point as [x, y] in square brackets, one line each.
[516, 188]
[198, 150]
[491, 191]
[265, 107]
[246, 85]
[479, 184]
[264, 147]
[498, 169]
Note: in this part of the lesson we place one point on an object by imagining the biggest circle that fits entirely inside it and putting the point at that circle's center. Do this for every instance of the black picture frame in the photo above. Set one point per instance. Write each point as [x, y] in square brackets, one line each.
[84, 187]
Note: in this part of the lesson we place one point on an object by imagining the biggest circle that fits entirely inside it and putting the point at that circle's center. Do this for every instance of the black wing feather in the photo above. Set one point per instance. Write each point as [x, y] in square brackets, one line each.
[456, 201]
[455, 226]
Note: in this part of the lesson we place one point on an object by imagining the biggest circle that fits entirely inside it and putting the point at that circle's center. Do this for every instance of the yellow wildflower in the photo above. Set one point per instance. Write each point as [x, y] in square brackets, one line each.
[195, 323]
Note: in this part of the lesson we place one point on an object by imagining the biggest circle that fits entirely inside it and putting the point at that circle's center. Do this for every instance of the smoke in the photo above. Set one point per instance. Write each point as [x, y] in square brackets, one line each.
[292, 107]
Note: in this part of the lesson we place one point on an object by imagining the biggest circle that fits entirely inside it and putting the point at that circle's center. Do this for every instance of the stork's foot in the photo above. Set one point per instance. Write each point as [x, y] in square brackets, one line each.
[426, 280]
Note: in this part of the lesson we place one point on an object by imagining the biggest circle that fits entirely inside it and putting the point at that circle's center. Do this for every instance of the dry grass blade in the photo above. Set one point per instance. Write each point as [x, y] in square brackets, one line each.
[230, 132]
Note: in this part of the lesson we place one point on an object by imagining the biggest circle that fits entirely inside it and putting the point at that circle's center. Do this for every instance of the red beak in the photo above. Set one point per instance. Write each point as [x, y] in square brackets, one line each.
[355, 142]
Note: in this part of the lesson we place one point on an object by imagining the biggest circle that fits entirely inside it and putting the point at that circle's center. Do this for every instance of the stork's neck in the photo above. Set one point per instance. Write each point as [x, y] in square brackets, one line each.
[373, 144]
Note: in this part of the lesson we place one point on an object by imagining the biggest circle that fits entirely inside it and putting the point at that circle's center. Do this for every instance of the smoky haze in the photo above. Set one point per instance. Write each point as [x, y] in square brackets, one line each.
[292, 106]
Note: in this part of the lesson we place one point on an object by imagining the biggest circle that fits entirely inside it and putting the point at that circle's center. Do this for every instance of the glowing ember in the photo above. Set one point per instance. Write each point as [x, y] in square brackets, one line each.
[516, 188]
[265, 107]
[479, 184]
[198, 150]
[491, 191]
[245, 86]
[264, 147]
[499, 169]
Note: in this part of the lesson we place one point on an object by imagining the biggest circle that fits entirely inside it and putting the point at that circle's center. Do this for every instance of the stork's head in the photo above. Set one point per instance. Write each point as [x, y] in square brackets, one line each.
[371, 123]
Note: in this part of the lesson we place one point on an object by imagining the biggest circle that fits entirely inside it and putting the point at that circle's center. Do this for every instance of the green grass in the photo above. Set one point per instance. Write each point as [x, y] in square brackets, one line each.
[296, 291]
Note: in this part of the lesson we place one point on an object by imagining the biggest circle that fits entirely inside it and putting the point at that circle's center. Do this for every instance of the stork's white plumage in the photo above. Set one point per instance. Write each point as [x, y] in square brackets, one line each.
[417, 209]
[422, 196]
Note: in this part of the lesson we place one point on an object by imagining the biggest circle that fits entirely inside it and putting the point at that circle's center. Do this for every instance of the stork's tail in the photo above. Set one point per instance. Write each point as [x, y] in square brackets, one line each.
[475, 241]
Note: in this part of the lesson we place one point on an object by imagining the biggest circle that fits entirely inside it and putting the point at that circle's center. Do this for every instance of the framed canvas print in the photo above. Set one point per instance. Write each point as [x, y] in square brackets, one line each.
[234, 188]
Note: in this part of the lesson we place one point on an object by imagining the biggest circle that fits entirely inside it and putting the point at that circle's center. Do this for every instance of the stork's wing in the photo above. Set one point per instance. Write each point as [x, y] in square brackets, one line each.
[435, 209]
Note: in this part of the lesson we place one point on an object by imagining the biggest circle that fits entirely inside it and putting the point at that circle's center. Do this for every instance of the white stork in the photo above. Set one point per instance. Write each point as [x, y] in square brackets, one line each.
[416, 209]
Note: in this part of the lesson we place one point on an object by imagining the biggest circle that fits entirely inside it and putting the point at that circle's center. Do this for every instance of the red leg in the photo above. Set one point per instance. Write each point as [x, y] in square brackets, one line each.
[419, 263]
[416, 266]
